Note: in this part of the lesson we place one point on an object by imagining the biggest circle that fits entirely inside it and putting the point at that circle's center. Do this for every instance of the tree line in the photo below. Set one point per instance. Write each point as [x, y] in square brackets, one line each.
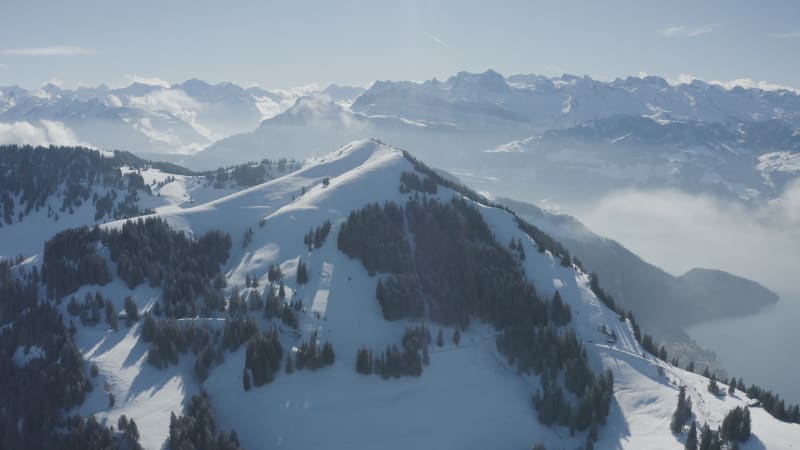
[459, 271]
[250, 174]
[72, 176]
[37, 393]
[197, 429]
[395, 362]
[144, 249]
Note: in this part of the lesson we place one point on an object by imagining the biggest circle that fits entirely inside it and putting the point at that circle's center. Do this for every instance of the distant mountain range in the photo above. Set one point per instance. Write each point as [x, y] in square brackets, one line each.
[470, 100]
[147, 118]
[515, 134]
[532, 133]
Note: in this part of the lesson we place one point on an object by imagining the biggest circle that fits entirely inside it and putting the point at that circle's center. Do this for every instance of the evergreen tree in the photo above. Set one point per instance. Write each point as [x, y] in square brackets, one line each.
[111, 315]
[732, 386]
[705, 438]
[122, 423]
[302, 272]
[457, 336]
[149, 328]
[691, 438]
[288, 316]
[682, 412]
[363, 363]
[235, 302]
[289, 364]
[274, 273]
[248, 237]
[745, 426]
[219, 281]
[254, 301]
[131, 310]
[566, 261]
[328, 356]
[246, 379]
[712, 385]
[132, 431]
[440, 339]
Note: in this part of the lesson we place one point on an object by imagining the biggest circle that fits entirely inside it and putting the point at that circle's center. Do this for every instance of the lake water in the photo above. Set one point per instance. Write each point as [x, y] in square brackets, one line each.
[763, 349]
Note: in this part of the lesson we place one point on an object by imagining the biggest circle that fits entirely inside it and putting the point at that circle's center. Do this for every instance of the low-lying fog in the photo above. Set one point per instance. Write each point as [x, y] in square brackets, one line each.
[677, 232]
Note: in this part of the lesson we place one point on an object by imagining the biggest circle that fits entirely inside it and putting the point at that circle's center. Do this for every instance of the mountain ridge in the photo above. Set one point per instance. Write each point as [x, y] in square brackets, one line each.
[340, 403]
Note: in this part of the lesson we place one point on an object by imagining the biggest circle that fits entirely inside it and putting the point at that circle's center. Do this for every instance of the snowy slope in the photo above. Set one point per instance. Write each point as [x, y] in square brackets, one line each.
[26, 236]
[466, 398]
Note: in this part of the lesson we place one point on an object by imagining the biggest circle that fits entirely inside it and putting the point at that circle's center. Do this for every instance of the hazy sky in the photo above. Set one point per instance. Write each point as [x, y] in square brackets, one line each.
[282, 44]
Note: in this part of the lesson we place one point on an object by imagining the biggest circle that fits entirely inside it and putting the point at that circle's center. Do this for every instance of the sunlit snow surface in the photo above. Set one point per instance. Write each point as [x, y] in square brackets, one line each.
[467, 398]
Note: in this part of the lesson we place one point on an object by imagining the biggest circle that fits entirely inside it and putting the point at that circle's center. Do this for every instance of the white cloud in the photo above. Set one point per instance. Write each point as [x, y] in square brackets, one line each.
[787, 35]
[299, 91]
[112, 101]
[687, 30]
[58, 50]
[437, 40]
[59, 134]
[45, 133]
[175, 102]
[747, 83]
[151, 81]
[750, 83]
[683, 78]
[269, 108]
[3, 66]
[678, 231]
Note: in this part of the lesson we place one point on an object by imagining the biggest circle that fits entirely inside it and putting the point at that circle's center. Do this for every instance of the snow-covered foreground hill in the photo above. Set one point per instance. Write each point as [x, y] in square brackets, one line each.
[468, 397]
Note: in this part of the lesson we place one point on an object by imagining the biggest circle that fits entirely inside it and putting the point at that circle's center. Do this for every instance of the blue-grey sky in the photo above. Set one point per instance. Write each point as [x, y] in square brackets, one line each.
[282, 44]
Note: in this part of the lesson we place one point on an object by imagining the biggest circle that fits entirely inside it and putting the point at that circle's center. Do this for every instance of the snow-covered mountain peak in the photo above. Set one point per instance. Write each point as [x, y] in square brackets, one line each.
[488, 81]
[338, 303]
[341, 308]
[646, 80]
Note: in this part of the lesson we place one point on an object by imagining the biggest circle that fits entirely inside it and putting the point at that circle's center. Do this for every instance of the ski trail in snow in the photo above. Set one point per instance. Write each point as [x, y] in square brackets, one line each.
[320, 303]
